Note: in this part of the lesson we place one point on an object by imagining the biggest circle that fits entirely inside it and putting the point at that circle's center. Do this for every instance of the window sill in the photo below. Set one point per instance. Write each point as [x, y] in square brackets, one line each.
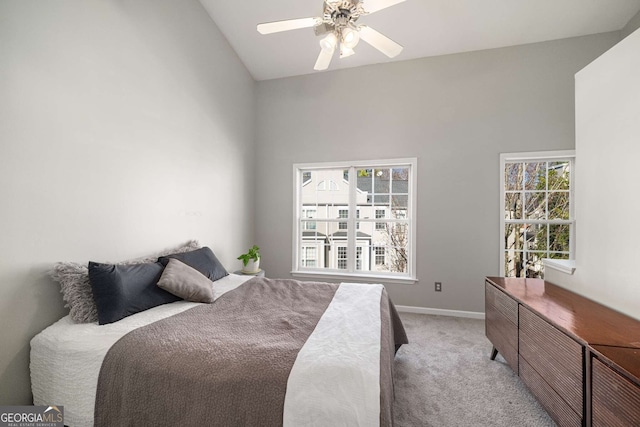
[567, 266]
[365, 278]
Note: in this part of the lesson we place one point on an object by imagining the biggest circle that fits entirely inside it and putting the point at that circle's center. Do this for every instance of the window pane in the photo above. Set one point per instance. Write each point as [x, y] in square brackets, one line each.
[394, 239]
[308, 213]
[534, 267]
[398, 259]
[315, 245]
[559, 205]
[400, 181]
[323, 188]
[537, 234]
[401, 202]
[513, 264]
[381, 181]
[559, 237]
[309, 256]
[513, 176]
[559, 175]
[534, 176]
[535, 205]
[381, 200]
[513, 206]
[513, 236]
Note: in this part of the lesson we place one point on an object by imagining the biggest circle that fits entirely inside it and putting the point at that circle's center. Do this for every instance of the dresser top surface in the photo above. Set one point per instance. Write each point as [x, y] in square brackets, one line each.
[584, 319]
[627, 359]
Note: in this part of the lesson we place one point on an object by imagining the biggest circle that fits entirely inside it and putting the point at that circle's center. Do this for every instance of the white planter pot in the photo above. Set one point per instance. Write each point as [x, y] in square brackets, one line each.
[252, 267]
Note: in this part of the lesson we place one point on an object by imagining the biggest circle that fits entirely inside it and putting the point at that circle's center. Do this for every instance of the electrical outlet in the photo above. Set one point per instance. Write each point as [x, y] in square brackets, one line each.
[438, 286]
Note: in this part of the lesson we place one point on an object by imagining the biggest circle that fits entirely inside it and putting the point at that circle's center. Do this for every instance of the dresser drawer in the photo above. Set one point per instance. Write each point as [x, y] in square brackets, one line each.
[557, 408]
[615, 399]
[506, 305]
[556, 357]
[503, 334]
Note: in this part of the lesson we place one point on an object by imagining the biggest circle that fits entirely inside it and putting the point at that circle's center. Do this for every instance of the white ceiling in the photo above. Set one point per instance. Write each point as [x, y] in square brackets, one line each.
[424, 27]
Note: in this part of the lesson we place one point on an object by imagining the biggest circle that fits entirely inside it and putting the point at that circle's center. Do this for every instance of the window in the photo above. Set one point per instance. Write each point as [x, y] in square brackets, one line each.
[343, 213]
[308, 213]
[358, 257]
[537, 211]
[308, 258]
[359, 217]
[379, 254]
[342, 257]
[380, 214]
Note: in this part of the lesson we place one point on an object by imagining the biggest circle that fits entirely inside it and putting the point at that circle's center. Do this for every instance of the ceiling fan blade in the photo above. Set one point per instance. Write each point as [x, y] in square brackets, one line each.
[381, 42]
[324, 59]
[291, 24]
[371, 6]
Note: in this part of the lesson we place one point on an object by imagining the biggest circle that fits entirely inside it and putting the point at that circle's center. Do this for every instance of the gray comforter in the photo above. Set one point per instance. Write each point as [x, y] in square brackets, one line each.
[226, 363]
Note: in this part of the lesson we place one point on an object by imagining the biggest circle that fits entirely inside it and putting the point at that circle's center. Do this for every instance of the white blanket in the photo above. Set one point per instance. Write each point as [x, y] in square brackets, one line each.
[333, 384]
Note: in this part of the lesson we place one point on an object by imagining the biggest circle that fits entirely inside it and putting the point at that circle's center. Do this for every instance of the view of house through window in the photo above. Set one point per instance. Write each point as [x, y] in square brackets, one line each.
[538, 221]
[357, 219]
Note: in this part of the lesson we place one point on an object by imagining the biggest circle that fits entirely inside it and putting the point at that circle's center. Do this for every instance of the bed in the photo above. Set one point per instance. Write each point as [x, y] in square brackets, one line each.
[265, 352]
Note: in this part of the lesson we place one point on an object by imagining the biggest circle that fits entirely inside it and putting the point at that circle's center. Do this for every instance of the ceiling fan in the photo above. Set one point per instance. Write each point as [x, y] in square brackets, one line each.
[338, 22]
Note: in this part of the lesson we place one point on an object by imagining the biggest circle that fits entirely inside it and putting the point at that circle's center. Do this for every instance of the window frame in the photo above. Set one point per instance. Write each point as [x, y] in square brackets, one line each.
[532, 157]
[353, 221]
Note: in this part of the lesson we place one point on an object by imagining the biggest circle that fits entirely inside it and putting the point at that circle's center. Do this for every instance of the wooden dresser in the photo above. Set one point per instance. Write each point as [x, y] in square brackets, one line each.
[580, 359]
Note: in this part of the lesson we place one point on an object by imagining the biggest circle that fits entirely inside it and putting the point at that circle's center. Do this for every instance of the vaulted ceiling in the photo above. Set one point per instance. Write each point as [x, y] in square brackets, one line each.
[424, 27]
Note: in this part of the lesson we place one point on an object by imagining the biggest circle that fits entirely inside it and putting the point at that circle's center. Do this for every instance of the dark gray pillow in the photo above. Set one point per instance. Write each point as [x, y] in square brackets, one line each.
[122, 290]
[186, 282]
[203, 260]
[76, 289]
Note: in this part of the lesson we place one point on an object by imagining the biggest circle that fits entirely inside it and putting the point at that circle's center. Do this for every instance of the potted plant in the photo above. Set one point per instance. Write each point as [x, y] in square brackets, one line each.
[251, 260]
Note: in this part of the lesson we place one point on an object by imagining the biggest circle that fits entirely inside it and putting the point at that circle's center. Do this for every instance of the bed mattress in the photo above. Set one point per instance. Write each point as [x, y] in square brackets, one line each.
[66, 357]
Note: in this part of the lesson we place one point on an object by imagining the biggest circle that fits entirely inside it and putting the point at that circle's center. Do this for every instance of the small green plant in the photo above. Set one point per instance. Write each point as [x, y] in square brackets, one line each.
[254, 254]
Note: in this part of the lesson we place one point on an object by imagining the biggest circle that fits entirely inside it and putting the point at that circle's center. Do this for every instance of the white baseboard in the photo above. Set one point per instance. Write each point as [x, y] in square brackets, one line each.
[440, 312]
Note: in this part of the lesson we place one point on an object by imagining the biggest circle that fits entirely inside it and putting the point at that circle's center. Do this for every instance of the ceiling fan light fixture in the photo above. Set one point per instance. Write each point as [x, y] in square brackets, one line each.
[350, 37]
[328, 43]
[346, 51]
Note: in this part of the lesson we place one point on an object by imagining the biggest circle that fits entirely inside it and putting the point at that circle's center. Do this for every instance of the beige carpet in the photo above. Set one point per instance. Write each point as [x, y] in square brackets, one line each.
[444, 378]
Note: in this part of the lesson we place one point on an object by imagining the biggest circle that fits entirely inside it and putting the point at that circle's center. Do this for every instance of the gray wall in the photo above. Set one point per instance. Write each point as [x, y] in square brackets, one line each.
[632, 25]
[607, 177]
[126, 127]
[456, 114]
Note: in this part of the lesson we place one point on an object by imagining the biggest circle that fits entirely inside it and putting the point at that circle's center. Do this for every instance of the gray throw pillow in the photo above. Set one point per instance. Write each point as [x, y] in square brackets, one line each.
[186, 282]
[76, 288]
[203, 260]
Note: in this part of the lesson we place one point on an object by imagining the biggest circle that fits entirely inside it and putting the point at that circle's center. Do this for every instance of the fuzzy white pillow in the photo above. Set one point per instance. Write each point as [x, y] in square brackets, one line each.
[76, 288]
